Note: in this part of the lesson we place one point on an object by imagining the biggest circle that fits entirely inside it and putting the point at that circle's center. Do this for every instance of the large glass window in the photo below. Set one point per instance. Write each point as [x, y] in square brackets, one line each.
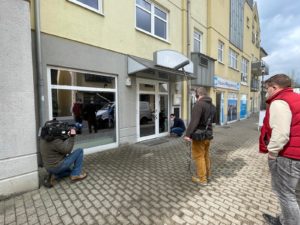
[95, 5]
[151, 18]
[87, 102]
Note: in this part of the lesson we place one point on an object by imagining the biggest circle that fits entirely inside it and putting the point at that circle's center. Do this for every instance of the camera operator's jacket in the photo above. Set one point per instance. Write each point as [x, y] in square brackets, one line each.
[54, 152]
[280, 133]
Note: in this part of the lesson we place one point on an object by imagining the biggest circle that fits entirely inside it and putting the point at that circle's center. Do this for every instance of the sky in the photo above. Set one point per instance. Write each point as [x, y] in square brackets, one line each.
[280, 35]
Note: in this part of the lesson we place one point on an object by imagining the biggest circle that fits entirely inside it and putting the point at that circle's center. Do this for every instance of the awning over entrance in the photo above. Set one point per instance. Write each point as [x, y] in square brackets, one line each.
[167, 65]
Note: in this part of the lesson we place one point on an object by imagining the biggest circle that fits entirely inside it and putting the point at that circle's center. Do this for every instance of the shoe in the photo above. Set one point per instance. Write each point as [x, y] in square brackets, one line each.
[271, 219]
[78, 178]
[197, 180]
[49, 181]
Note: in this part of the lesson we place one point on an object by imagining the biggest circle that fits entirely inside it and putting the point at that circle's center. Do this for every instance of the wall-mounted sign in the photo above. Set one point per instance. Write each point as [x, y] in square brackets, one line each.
[228, 84]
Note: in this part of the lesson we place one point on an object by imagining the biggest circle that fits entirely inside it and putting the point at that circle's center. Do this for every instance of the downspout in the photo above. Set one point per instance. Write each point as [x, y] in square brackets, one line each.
[188, 52]
[40, 80]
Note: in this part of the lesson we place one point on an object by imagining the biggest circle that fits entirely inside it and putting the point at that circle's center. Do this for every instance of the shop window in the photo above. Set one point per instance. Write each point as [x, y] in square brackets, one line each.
[86, 101]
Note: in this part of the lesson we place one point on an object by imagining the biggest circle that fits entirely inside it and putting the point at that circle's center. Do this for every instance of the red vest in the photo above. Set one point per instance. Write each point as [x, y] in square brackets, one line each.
[292, 148]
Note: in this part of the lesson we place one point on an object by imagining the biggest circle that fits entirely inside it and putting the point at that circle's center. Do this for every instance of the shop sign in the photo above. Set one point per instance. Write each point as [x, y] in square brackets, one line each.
[228, 84]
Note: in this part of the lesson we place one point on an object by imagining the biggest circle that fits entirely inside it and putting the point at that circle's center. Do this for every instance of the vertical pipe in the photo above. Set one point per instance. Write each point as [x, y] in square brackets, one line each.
[188, 51]
[40, 80]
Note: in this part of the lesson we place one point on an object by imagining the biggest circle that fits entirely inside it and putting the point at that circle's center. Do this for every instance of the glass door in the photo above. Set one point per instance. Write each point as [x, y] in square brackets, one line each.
[153, 105]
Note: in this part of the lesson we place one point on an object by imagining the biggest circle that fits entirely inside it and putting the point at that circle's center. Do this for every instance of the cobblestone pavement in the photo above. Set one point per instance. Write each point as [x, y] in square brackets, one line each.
[143, 185]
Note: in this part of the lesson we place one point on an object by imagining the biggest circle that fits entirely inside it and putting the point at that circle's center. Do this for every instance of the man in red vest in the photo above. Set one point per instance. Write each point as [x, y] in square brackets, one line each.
[280, 138]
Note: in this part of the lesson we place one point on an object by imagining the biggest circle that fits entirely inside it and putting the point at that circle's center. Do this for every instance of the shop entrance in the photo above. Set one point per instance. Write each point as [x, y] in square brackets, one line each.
[152, 109]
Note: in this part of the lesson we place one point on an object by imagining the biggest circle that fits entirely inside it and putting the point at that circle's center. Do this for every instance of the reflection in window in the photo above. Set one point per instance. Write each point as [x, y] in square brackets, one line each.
[90, 110]
[163, 87]
[69, 78]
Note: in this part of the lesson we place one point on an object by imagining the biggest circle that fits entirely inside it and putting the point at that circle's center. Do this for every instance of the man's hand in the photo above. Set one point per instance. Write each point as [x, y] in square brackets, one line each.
[186, 138]
[72, 132]
[271, 157]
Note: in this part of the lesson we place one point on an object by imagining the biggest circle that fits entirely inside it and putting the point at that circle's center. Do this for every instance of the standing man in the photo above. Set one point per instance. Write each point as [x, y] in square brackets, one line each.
[202, 117]
[280, 138]
[178, 126]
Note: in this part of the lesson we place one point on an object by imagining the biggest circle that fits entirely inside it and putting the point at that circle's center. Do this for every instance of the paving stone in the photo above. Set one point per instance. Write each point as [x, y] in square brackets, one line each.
[145, 185]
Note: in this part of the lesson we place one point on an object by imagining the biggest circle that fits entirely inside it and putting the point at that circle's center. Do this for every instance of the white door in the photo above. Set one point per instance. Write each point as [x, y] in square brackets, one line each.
[152, 109]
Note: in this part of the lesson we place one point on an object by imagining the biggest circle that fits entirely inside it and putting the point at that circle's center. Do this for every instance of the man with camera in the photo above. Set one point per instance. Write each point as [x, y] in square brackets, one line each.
[56, 150]
[201, 120]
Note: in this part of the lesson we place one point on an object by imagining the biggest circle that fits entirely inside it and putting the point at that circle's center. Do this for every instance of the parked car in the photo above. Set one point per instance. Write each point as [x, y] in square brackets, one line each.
[145, 112]
[106, 115]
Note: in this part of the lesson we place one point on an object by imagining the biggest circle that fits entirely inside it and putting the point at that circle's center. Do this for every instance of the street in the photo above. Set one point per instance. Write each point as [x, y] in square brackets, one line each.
[149, 183]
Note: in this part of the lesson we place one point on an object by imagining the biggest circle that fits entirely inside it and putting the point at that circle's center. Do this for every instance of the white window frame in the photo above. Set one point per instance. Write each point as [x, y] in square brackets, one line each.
[220, 51]
[198, 40]
[233, 59]
[100, 4]
[244, 70]
[153, 16]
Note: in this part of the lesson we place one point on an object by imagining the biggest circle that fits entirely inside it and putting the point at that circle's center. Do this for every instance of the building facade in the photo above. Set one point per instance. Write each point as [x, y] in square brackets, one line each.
[116, 69]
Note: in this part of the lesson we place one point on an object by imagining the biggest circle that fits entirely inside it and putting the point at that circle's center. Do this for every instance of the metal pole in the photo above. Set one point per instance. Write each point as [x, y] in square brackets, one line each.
[262, 92]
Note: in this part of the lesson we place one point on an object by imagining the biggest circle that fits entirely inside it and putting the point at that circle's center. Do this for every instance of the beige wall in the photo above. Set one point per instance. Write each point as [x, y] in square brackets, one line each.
[114, 30]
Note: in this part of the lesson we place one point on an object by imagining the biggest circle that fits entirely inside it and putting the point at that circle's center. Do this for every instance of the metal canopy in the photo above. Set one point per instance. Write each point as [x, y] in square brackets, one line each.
[147, 69]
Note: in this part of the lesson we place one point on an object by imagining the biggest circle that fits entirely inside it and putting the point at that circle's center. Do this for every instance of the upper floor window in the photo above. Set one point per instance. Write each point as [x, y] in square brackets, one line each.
[244, 71]
[151, 18]
[95, 5]
[197, 41]
[233, 59]
[220, 51]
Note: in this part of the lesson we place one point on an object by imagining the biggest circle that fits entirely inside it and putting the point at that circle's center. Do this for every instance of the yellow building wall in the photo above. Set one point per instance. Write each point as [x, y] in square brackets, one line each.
[198, 21]
[218, 30]
[114, 29]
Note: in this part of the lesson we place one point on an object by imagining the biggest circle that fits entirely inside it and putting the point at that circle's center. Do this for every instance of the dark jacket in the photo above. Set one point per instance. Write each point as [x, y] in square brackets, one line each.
[178, 123]
[200, 114]
[54, 152]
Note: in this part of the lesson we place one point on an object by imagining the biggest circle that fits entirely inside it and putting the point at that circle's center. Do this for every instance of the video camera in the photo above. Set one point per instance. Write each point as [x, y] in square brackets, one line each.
[54, 129]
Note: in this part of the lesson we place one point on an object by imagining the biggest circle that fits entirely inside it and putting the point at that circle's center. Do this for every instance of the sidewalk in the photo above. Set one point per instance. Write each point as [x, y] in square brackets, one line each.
[141, 184]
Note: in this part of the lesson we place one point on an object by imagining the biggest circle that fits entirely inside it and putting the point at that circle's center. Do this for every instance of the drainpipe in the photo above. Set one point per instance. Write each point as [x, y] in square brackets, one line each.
[40, 80]
[188, 82]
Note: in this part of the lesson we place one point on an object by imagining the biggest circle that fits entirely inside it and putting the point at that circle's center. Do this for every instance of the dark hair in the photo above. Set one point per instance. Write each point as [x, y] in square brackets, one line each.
[200, 91]
[281, 80]
[172, 114]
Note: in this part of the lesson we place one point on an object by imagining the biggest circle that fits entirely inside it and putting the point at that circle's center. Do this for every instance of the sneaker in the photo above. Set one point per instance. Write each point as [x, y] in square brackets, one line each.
[49, 181]
[271, 220]
[78, 178]
[197, 180]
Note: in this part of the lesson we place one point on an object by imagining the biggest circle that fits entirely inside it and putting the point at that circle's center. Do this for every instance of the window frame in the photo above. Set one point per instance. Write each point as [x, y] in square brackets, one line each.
[153, 17]
[221, 51]
[233, 59]
[244, 70]
[100, 4]
[197, 32]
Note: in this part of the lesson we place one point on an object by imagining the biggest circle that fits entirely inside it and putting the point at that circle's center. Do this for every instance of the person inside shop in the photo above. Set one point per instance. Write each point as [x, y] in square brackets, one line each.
[77, 113]
[89, 112]
[178, 126]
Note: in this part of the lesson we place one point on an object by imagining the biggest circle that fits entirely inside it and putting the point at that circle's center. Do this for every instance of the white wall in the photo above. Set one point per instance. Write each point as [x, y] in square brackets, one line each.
[18, 160]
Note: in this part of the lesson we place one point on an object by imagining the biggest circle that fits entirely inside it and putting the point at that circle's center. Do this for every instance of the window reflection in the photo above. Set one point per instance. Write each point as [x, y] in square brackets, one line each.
[92, 113]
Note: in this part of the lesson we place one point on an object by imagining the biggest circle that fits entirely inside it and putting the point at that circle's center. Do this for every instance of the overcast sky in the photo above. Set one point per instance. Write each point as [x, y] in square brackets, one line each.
[280, 34]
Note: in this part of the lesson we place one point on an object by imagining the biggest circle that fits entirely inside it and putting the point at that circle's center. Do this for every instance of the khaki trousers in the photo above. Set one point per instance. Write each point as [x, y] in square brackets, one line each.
[200, 154]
